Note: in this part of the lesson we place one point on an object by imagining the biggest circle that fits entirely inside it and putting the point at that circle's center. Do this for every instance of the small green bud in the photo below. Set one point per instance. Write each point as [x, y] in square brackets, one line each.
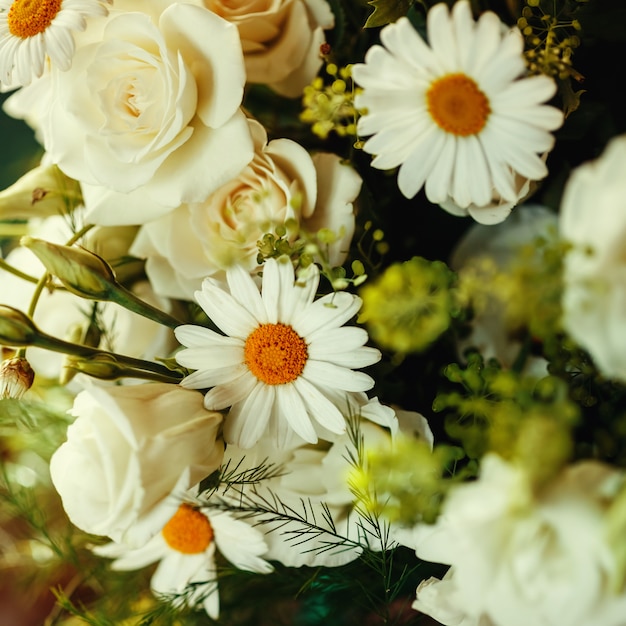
[102, 366]
[16, 328]
[80, 271]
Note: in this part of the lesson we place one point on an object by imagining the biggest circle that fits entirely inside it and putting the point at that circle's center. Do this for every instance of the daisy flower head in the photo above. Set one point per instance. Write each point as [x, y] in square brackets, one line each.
[458, 115]
[283, 356]
[185, 550]
[33, 31]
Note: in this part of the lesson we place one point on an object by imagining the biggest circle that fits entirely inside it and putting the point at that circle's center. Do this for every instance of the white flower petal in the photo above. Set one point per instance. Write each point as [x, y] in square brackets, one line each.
[328, 374]
[247, 419]
[198, 336]
[240, 543]
[329, 341]
[331, 310]
[320, 407]
[224, 311]
[467, 174]
[292, 410]
[215, 358]
[228, 393]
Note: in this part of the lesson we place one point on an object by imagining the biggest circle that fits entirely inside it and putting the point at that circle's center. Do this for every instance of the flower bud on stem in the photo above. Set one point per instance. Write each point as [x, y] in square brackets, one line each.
[17, 330]
[107, 367]
[89, 276]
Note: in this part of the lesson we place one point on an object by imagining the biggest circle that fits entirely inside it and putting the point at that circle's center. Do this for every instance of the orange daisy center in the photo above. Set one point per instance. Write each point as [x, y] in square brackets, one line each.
[189, 531]
[28, 18]
[275, 354]
[457, 105]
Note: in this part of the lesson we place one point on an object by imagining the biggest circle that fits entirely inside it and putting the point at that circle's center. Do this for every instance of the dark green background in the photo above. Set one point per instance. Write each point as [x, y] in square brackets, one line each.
[19, 151]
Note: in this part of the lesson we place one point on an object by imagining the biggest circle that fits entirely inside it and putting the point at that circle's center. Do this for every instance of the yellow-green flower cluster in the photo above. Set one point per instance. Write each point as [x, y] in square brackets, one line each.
[522, 419]
[330, 107]
[550, 39]
[409, 305]
[406, 483]
[528, 289]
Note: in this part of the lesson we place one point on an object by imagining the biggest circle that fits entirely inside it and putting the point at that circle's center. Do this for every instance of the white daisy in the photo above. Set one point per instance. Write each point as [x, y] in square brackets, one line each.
[281, 358]
[185, 549]
[457, 115]
[31, 31]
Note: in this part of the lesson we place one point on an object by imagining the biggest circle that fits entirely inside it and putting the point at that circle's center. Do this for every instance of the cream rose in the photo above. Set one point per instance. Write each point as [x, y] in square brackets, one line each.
[281, 39]
[283, 182]
[128, 449]
[592, 219]
[148, 116]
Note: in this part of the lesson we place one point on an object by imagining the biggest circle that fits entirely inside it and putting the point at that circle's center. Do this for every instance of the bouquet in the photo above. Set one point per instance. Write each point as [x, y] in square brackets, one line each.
[312, 312]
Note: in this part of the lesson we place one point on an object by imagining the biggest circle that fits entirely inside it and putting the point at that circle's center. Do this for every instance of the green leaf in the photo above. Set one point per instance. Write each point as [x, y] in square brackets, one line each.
[386, 11]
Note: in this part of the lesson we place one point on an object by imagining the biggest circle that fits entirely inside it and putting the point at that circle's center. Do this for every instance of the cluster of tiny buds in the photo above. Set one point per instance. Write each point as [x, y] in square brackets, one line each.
[329, 106]
[550, 41]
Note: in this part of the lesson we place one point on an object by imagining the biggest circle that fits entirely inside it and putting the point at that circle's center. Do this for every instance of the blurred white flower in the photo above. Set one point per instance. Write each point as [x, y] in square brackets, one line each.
[498, 246]
[185, 549]
[33, 33]
[281, 39]
[282, 355]
[283, 182]
[519, 557]
[592, 219]
[463, 125]
[127, 450]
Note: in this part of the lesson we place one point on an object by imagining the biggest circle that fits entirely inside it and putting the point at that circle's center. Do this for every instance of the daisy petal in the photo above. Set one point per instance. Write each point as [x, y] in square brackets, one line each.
[486, 150]
[228, 393]
[247, 419]
[320, 407]
[328, 374]
[293, 410]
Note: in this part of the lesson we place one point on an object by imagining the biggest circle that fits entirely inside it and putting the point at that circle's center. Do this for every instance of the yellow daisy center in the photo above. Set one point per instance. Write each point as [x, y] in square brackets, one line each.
[28, 18]
[457, 105]
[189, 531]
[275, 354]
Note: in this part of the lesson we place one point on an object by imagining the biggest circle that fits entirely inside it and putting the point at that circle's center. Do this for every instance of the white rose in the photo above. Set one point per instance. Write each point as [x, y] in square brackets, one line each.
[281, 39]
[148, 117]
[593, 220]
[522, 558]
[283, 182]
[128, 449]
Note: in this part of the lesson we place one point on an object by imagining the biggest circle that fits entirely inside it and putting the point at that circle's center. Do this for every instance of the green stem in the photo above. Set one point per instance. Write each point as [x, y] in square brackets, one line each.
[7, 267]
[126, 298]
[79, 234]
[47, 342]
[41, 283]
